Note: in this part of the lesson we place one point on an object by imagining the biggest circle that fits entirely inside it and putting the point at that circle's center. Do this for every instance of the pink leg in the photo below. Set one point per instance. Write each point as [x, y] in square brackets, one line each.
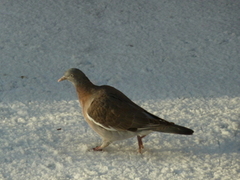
[98, 148]
[140, 143]
[104, 144]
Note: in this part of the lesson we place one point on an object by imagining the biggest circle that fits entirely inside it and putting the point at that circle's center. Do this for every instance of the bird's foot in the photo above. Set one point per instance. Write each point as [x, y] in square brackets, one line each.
[98, 148]
[140, 144]
[140, 149]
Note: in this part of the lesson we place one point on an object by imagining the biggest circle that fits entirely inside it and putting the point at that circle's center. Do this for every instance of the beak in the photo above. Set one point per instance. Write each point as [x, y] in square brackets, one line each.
[62, 79]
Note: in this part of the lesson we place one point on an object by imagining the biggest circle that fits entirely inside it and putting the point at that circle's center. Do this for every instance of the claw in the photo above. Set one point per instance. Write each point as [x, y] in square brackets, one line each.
[98, 148]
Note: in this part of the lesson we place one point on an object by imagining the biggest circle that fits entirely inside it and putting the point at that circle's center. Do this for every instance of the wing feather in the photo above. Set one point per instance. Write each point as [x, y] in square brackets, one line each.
[112, 110]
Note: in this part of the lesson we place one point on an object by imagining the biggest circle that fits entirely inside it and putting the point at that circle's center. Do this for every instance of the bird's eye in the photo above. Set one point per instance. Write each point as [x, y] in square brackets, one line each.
[71, 75]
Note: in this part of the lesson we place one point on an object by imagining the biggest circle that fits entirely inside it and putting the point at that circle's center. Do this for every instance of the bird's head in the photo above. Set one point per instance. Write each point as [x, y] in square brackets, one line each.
[74, 75]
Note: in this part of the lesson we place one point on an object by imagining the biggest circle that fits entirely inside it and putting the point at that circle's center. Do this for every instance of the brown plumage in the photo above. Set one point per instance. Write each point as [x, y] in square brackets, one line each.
[113, 115]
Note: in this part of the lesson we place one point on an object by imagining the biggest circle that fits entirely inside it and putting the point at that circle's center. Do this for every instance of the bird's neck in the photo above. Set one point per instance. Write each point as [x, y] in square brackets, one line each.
[84, 90]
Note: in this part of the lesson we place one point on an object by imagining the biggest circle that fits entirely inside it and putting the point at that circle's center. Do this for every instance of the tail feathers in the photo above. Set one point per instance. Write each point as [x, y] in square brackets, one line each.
[175, 129]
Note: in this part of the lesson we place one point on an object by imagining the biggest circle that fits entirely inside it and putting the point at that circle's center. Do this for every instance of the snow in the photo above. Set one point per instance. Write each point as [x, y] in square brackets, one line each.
[178, 60]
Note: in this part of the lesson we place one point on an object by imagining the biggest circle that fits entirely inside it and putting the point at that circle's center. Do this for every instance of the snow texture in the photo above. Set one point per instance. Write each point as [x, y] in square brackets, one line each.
[179, 60]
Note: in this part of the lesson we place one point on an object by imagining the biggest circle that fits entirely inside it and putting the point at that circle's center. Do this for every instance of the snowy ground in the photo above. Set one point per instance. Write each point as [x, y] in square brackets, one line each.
[180, 60]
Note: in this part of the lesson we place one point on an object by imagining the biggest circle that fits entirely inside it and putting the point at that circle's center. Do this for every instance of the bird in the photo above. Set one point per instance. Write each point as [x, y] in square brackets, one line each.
[113, 116]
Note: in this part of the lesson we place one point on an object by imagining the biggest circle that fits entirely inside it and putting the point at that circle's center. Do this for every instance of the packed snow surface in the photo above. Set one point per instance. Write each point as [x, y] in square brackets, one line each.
[180, 60]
